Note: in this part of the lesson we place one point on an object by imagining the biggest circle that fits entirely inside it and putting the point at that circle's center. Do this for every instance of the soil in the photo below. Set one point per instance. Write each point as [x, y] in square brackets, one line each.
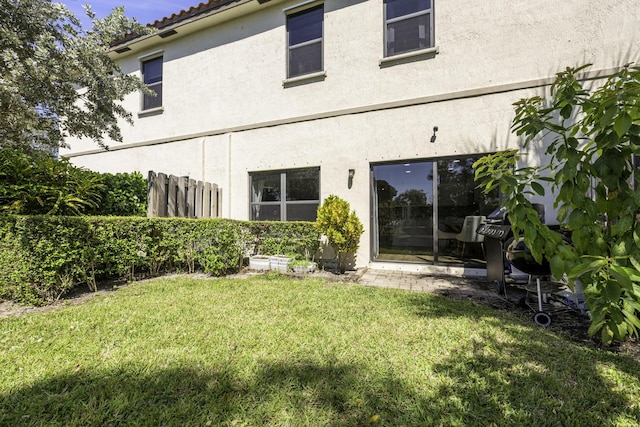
[570, 324]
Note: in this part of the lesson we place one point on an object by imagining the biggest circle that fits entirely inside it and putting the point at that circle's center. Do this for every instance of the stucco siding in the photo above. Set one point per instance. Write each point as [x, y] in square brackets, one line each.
[226, 112]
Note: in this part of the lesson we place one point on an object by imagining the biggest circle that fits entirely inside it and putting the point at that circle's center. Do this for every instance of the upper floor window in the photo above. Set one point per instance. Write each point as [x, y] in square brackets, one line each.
[408, 25]
[289, 195]
[152, 77]
[304, 41]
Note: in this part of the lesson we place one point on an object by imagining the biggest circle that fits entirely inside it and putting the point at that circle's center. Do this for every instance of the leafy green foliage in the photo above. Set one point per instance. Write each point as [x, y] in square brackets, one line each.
[45, 57]
[594, 137]
[297, 239]
[342, 227]
[123, 194]
[36, 183]
[43, 257]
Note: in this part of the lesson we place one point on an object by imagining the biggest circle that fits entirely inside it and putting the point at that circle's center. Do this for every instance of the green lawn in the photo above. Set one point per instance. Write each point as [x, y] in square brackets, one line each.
[287, 352]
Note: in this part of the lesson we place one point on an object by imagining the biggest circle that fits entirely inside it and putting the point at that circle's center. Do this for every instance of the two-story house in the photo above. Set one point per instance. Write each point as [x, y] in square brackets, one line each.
[385, 103]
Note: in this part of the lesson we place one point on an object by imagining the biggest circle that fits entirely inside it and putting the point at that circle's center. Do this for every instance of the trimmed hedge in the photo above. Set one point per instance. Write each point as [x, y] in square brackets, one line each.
[122, 194]
[43, 257]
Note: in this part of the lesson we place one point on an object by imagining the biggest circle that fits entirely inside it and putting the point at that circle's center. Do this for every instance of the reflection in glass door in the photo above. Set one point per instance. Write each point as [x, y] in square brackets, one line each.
[427, 211]
[404, 211]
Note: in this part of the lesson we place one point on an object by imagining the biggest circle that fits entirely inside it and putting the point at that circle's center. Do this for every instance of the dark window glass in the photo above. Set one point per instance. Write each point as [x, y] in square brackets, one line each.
[153, 101]
[409, 34]
[305, 59]
[265, 187]
[302, 189]
[152, 77]
[304, 30]
[152, 70]
[408, 25]
[303, 184]
[302, 212]
[305, 26]
[265, 212]
[397, 8]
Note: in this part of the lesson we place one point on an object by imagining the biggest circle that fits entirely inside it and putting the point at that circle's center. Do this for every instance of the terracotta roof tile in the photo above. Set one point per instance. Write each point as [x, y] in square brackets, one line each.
[193, 11]
[189, 13]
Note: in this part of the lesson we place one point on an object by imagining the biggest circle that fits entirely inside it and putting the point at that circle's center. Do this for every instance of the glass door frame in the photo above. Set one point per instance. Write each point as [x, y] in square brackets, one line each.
[435, 215]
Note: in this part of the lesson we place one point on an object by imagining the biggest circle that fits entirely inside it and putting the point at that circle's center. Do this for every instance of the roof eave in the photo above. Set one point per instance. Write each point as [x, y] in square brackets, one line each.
[184, 23]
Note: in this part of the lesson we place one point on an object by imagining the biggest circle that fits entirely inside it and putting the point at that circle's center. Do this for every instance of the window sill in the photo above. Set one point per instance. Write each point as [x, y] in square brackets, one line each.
[304, 79]
[416, 55]
[150, 112]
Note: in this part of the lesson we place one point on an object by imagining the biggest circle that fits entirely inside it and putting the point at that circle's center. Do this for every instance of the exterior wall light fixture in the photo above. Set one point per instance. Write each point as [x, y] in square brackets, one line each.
[352, 172]
[433, 137]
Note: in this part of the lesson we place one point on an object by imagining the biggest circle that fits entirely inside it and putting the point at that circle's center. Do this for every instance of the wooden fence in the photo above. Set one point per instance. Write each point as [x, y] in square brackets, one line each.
[171, 195]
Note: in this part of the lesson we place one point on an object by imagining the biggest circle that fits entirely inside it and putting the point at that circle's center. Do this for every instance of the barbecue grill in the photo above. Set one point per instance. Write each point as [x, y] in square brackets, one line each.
[520, 256]
[496, 231]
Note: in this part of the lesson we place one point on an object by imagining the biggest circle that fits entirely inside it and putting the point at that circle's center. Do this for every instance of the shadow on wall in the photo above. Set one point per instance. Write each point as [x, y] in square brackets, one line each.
[233, 31]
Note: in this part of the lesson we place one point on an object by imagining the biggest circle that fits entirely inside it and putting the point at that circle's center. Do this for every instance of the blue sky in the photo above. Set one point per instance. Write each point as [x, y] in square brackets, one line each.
[145, 11]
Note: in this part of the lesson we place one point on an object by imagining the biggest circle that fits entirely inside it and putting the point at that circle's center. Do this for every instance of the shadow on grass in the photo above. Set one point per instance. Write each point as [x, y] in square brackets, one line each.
[505, 373]
[297, 393]
[526, 374]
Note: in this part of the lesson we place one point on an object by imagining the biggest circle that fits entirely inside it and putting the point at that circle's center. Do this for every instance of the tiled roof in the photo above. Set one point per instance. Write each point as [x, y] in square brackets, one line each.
[191, 12]
[183, 15]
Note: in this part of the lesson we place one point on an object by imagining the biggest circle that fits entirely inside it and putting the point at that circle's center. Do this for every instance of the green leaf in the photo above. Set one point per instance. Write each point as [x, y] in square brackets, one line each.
[583, 268]
[565, 112]
[622, 124]
[537, 188]
[562, 213]
[621, 276]
[606, 334]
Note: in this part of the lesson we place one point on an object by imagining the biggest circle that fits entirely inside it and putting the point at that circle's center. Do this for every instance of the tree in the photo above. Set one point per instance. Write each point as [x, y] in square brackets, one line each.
[56, 79]
[413, 196]
[594, 140]
[342, 227]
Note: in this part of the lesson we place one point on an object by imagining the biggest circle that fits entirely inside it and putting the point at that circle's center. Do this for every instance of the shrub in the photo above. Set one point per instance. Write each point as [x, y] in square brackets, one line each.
[36, 183]
[342, 228]
[43, 257]
[123, 194]
[297, 239]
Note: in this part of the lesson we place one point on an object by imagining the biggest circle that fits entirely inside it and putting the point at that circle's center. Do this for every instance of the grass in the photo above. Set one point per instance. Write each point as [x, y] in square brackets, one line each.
[284, 352]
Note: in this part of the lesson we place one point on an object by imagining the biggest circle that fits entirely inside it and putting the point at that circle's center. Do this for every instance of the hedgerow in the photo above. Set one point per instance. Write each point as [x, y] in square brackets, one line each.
[43, 257]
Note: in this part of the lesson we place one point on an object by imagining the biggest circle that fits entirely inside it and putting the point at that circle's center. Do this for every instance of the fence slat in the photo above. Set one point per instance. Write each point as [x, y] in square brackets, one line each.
[152, 194]
[172, 209]
[206, 200]
[181, 200]
[162, 194]
[191, 198]
[215, 201]
[170, 196]
[198, 205]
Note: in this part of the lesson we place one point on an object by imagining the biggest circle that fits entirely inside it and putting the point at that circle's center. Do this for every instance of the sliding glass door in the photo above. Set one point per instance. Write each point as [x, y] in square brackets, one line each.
[427, 211]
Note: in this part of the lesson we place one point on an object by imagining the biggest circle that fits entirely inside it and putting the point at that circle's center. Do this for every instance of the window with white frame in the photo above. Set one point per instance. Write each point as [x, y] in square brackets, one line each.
[408, 26]
[288, 195]
[152, 77]
[304, 41]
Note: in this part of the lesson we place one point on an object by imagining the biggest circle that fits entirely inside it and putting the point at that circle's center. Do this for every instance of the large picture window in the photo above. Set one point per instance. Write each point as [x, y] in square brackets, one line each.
[289, 195]
[304, 41]
[408, 25]
[152, 77]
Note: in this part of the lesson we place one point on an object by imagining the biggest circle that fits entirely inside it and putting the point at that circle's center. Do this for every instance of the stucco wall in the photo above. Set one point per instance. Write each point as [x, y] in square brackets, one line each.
[490, 55]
